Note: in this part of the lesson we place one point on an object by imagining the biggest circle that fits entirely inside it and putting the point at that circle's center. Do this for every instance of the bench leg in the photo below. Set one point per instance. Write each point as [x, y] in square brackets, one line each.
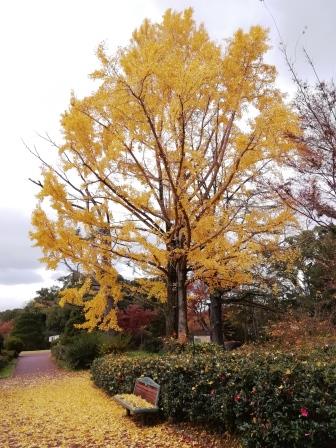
[144, 419]
[128, 412]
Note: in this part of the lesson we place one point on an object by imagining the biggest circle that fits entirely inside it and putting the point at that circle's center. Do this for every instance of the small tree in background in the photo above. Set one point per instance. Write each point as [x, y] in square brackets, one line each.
[6, 327]
[29, 327]
[312, 190]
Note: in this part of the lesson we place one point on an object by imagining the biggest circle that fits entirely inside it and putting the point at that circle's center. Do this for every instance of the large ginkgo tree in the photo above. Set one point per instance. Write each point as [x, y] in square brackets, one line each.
[166, 167]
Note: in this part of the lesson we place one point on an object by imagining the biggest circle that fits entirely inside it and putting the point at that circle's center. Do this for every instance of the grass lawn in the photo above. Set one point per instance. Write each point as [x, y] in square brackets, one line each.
[70, 412]
[8, 371]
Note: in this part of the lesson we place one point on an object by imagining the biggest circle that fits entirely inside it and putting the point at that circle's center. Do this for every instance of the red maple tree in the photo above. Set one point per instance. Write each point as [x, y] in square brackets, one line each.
[6, 327]
[134, 319]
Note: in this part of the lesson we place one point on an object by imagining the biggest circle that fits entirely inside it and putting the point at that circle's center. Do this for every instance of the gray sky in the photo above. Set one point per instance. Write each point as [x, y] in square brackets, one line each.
[47, 48]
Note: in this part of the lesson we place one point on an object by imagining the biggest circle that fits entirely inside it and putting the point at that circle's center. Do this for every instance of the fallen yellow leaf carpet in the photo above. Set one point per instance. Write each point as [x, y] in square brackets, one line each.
[68, 411]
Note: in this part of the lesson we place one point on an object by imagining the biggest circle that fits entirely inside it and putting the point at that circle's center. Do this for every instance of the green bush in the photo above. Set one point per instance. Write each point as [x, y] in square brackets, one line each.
[6, 357]
[2, 339]
[13, 343]
[3, 361]
[204, 349]
[9, 354]
[58, 351]
[152, 344]
[172, 345]
[118, 343]
[270, 400]
[79, 351]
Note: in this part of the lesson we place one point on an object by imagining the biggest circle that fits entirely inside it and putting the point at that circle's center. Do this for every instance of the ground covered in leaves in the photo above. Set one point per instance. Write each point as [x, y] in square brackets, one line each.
[68, 411]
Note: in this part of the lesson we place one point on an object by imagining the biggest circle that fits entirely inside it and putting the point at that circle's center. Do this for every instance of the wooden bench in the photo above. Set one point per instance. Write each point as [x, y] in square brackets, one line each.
[145, 388]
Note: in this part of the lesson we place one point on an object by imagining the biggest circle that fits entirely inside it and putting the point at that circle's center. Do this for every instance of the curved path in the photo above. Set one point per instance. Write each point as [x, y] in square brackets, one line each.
[35, 364]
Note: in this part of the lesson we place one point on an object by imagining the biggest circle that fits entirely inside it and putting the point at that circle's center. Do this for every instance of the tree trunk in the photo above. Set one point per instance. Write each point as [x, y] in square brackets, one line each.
[216, 319]
[171, 313]
[181, 271]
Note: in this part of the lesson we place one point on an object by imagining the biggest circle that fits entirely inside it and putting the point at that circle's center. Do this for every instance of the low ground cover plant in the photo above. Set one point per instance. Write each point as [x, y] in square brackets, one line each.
[9, 350]
[268, 399]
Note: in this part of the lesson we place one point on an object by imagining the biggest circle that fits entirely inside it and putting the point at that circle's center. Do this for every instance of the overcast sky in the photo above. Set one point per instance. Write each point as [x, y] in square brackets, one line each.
[47, 49]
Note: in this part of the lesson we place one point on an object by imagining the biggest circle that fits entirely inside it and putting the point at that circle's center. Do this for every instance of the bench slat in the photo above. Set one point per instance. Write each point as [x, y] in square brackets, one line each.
[147, 389]
[144, 392]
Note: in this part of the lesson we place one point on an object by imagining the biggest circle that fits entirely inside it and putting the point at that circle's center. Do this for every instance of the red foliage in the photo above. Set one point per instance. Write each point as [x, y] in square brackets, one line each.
[6, 327]
[134, 318]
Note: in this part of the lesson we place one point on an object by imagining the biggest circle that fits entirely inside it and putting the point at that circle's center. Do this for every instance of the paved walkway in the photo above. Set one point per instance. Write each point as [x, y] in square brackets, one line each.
[35, 364]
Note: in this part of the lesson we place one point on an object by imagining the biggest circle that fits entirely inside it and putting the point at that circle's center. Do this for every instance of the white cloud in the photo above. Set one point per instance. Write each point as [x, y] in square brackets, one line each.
[19, 277]
[16, 248]
[18, 295]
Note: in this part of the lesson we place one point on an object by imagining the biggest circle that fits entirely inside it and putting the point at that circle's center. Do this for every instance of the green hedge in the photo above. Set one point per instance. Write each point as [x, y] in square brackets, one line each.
[269, 400]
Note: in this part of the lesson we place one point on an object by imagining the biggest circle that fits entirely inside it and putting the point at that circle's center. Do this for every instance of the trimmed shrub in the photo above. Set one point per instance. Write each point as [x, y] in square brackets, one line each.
[173, 346]
[206, 348]
[79, 351]
[13, 343]
[270, 400]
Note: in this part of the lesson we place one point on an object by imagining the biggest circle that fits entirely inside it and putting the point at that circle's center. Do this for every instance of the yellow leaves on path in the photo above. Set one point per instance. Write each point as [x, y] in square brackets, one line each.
[69, 412]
